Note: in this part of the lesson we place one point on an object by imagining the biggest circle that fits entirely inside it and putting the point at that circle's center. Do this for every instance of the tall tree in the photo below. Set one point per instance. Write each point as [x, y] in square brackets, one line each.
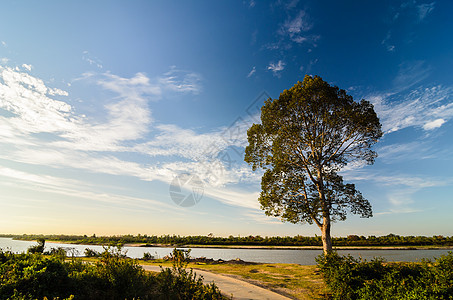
[305, 138]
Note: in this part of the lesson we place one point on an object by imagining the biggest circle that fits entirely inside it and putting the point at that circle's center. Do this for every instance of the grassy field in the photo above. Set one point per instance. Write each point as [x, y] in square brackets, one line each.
[295, 281]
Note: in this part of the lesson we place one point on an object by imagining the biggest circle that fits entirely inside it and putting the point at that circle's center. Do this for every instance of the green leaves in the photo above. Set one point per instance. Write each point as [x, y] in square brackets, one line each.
[34, 276]
[349, 278]
[305, 137]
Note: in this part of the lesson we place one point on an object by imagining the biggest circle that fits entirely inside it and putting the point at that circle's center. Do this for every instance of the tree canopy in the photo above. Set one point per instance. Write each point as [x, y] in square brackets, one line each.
[305, 138]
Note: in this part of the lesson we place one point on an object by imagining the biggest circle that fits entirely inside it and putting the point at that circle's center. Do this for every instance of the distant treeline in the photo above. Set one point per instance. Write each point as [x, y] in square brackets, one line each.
[176, 240]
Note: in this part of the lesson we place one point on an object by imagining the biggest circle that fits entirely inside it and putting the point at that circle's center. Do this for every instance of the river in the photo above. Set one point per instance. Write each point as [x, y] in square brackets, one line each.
[303, 257]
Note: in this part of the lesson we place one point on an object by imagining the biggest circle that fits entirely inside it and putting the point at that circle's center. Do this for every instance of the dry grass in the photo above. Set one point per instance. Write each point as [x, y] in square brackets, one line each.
[292, 280]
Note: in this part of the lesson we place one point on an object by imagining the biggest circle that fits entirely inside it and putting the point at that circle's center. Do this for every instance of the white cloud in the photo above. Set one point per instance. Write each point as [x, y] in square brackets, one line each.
[276, 68]
[92, 60]
[400, 199]
[298, 24]
[400, 188]
[181, 81]
[296, 29]
[41, 130]
[27, 67]
[28, 98]
[415, 109]
[424, 10]
[260, 217]
[253, 71]
[73, 188]
[434, 124]
[398, 152]
[391, 48]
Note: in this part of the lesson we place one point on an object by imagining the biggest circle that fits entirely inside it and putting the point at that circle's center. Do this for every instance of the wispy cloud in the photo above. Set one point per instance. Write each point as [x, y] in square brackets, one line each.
[427, 108]
[260, 217]
[408, 13]
[181, 81]
[252, 72]
[73, 188]
[41, 130]
[386, 42]
[424, 10]
[276, 68]
[92, 60]
[297, 28]
[400, 188]
[297, 25]
[410, 74]
[405, 152]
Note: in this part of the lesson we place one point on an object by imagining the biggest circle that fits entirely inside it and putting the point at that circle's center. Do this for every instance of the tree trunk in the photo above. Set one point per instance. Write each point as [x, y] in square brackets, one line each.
[326, 239]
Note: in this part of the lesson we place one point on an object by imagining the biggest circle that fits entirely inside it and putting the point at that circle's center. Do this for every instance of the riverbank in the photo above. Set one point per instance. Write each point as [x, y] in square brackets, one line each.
[265, 247]
[351, 242]
[296, 247]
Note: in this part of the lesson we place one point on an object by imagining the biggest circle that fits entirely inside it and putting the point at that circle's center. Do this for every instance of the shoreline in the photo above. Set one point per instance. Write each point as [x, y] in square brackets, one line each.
[263, 247]
[143, 245]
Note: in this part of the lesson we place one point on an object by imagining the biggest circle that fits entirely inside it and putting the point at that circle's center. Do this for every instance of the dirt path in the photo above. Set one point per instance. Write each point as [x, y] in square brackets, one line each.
[240, 290]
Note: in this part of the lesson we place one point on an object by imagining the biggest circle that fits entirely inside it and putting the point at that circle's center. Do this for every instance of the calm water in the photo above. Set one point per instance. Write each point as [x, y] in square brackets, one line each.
[303, 257]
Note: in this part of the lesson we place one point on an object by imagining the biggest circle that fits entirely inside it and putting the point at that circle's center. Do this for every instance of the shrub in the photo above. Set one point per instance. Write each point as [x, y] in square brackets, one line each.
[37, 248]
[91, 253]
[34, 276]
[349, 278]
[178, 283]
[147, 256]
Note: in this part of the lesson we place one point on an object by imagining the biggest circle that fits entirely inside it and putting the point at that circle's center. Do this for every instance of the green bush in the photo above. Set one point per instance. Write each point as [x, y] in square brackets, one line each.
[349, 278]
[91, 253]
[178, 283]
[35, 276]
[37, 248]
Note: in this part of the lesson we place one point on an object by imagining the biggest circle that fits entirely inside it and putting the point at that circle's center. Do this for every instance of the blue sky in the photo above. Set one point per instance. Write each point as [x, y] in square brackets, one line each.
[105, 104]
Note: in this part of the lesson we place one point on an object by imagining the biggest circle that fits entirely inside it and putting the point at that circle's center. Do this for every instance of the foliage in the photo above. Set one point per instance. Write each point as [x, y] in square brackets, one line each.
[148, 256]
[305, 137]
[349, 278]
[34, 276]
[298, 240]
[59, 253]
[37, 248]
[256, 240]
[178, 283]
[91, 253]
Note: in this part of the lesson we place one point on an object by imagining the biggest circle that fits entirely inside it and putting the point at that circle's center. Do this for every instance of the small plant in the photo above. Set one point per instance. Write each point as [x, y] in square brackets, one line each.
[147, 256]
[178, 283]
[59, 253]
[37, 248]
[91, 253]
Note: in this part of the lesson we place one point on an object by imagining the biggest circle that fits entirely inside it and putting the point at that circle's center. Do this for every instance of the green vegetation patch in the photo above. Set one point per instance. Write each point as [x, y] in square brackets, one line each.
[303, 241]
[349, 278]
[111, 276]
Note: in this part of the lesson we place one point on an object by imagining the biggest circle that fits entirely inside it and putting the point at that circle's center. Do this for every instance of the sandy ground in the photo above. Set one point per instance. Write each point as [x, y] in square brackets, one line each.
[240, 290]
